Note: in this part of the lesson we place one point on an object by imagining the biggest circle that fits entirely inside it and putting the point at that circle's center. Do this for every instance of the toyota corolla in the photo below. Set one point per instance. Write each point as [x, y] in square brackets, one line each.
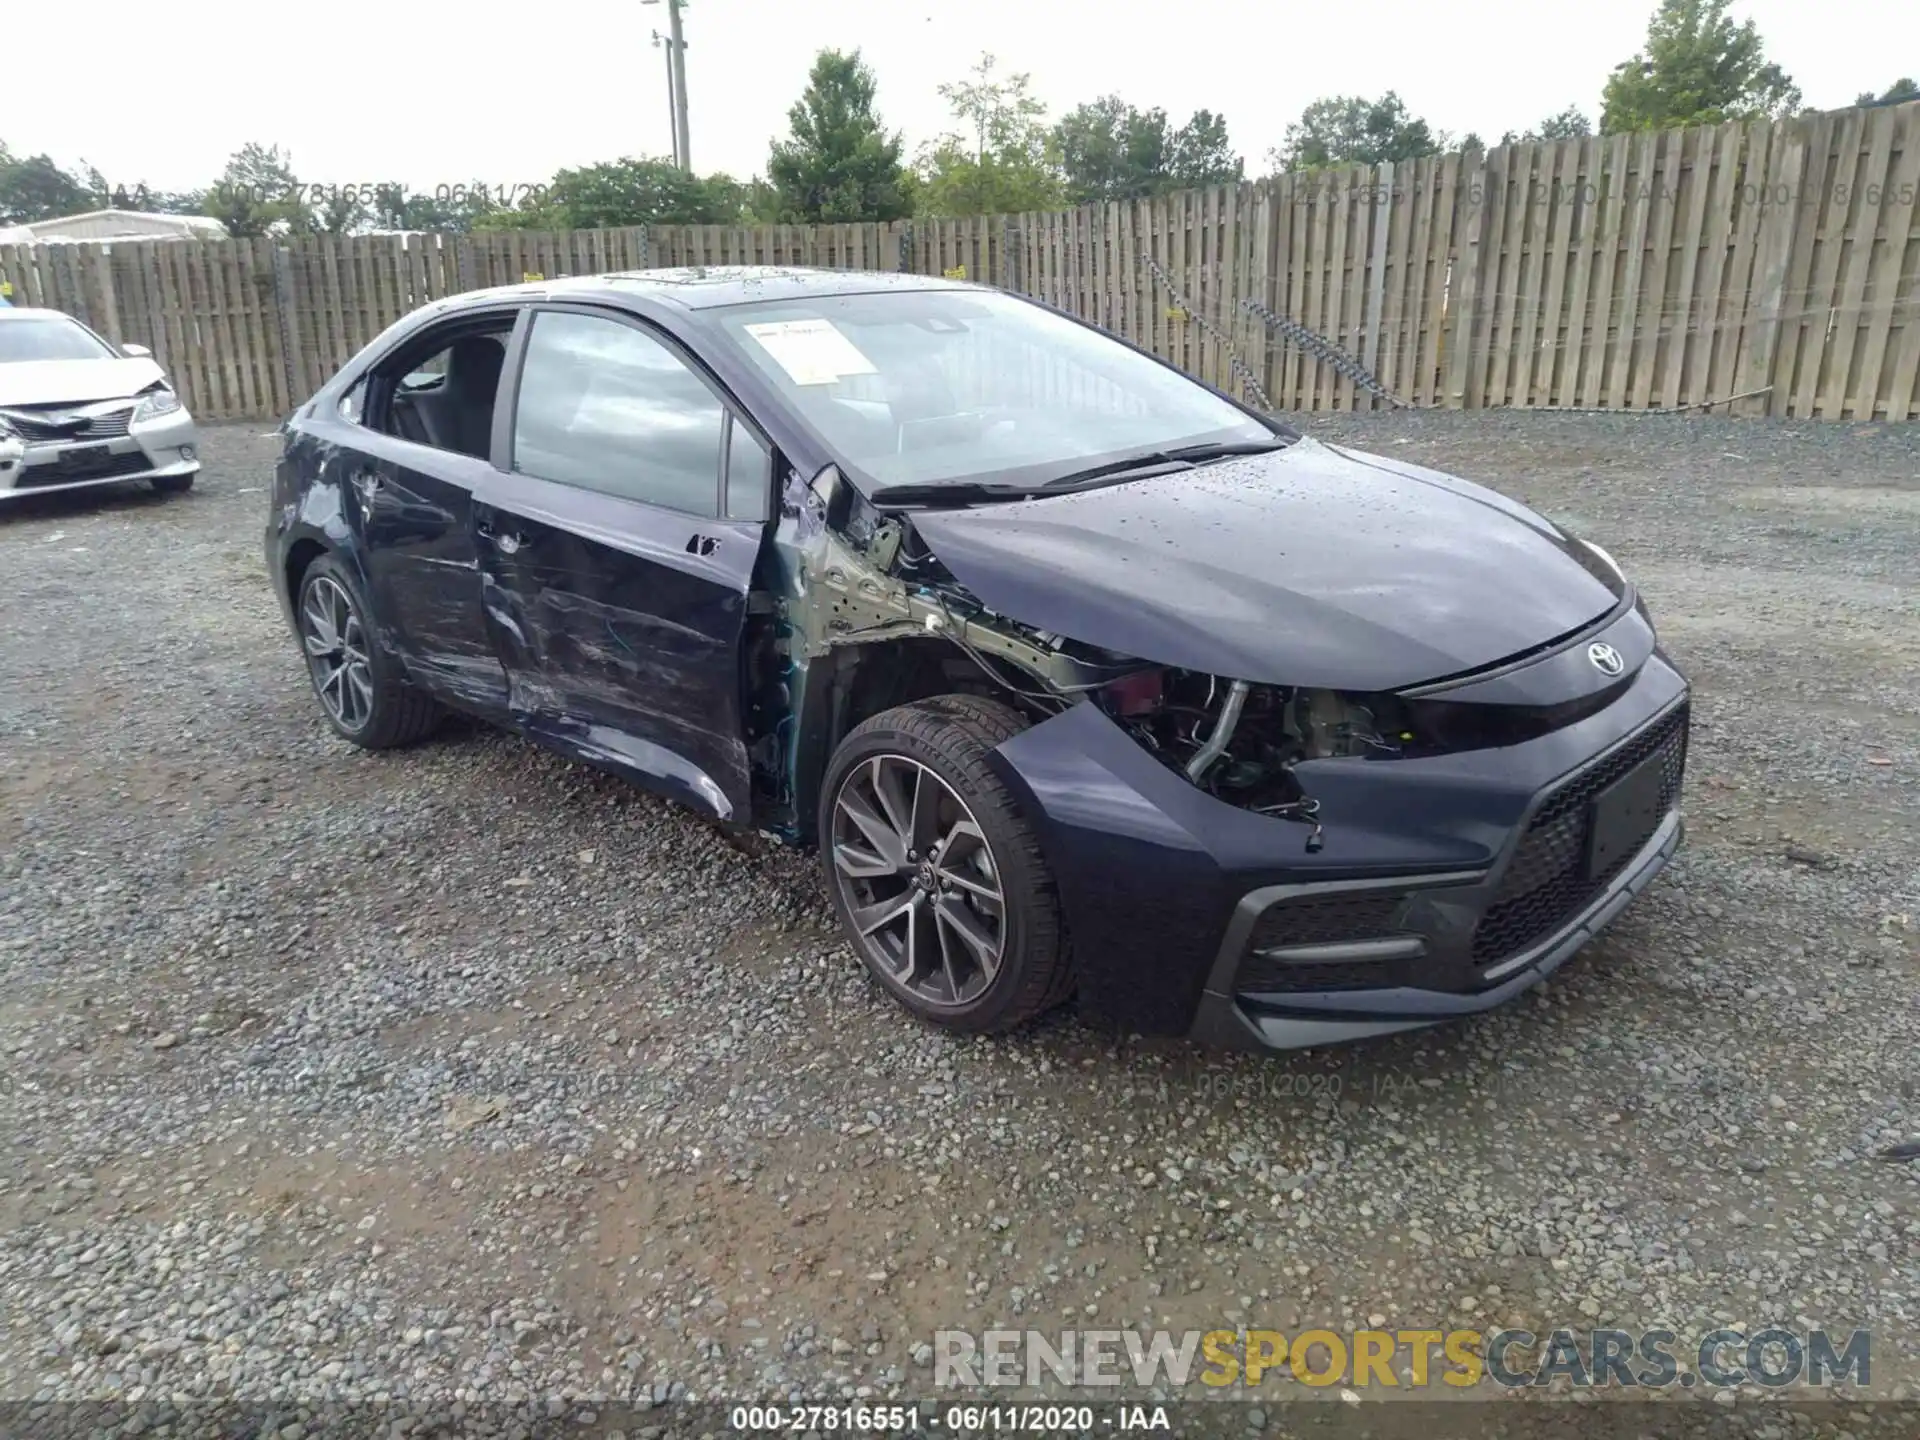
[1083, 678]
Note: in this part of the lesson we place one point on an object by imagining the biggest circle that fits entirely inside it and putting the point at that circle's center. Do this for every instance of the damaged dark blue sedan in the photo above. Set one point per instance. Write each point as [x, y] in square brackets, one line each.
[1083, 678]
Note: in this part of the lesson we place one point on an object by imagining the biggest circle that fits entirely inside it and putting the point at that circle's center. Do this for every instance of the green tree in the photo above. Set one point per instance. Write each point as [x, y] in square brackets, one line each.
[259, 194]
[161, 202]
[1201, 154]
[732, 200]
[1109, 150]
[1697, 68]
[1353, 130]
[33, 188]
[341, 212]
[1003, 114]
[762, 202]
[397, 208]
[1898, 93]
[1003, 162]
[614, 193]
[839, 163]
[1570, 124]
[639, 192]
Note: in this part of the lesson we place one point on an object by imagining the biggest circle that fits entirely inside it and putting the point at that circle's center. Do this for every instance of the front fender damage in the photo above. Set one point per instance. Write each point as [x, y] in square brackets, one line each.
[858, 607]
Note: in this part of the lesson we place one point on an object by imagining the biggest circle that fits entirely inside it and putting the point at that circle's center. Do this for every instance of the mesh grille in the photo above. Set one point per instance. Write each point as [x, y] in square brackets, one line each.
[108, 426]
[1546, 885]
[1320, 920]
[100, 427]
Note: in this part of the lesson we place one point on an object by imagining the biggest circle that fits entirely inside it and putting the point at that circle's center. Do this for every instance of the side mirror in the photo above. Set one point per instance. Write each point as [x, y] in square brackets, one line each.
[136, 352]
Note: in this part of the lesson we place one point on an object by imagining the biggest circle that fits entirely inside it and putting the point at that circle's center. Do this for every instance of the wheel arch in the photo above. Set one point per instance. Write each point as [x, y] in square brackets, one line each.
[300, 557]
[854, 682]
[301, 548]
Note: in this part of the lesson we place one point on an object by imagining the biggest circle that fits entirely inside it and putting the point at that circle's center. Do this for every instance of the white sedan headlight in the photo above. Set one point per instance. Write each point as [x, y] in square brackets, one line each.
[154, 404]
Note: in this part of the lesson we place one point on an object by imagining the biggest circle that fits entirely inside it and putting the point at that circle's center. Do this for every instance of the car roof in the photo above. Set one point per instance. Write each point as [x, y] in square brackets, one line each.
[708, 287]
[19, 312]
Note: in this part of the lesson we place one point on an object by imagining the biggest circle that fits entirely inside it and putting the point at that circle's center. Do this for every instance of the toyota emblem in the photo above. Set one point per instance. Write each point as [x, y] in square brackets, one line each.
[1606, 659]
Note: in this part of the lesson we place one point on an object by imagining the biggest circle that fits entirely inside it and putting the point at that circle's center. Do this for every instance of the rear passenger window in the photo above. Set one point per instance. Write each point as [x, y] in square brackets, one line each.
[606, 407]
[440, 391]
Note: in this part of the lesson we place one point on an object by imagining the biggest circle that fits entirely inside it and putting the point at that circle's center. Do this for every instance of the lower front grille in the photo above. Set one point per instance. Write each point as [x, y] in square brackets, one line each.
[1320, 920]
[109, 467]
[1546, 886]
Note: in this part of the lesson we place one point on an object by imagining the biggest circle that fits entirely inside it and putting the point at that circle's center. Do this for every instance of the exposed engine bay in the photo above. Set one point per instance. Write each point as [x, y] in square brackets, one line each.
[1240, 742]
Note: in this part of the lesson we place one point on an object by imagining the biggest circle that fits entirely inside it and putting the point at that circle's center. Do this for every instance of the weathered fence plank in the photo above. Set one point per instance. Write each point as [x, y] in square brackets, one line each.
[1631, 271]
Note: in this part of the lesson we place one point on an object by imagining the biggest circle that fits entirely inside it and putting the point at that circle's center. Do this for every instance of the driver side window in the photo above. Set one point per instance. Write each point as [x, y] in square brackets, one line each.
[606, 407]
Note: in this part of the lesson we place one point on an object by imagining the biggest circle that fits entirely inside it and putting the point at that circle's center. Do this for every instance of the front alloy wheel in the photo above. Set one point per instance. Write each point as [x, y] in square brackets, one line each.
[935, 872]
[924, 893]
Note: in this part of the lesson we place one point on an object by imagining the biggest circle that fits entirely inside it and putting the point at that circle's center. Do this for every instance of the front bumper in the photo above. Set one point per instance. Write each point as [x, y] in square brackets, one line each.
[1445, 885]
[1230, 1020]
[147, 450]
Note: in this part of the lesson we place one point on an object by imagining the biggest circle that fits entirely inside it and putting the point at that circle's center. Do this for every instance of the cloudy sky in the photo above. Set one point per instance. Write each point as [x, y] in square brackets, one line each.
[379, 90]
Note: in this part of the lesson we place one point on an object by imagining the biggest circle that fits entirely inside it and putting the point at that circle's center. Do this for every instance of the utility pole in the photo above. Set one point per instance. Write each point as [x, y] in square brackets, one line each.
[676, 43]
[679, 43]
[673, 110]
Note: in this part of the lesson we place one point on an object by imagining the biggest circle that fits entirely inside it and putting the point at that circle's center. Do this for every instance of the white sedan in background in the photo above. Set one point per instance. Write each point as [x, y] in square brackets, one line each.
[78, 411]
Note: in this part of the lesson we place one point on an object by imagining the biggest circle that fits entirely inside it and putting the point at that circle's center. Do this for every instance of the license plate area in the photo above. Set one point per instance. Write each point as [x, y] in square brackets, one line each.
[82, 457]
[1623, 816]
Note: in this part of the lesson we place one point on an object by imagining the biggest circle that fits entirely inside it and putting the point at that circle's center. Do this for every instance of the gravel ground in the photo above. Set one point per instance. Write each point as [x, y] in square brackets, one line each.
[467, 1074]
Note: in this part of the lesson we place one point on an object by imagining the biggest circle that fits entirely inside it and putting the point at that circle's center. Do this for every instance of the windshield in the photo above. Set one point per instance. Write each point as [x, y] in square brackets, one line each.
[50, 337]
[950, 387]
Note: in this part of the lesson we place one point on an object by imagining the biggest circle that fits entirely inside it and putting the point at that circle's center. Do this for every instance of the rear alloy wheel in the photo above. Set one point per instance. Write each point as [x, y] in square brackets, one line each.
[936, 875]
[363, 697]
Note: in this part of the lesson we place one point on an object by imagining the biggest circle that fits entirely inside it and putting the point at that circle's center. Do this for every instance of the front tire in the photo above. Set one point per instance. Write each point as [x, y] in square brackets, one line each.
[171, 484]
[361, 692]
[935, 873]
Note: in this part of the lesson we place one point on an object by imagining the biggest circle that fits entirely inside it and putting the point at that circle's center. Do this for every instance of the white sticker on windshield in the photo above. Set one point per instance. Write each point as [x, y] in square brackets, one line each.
[812, 352]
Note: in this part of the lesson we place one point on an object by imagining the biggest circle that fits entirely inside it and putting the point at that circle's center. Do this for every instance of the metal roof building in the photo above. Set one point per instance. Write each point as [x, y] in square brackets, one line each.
[113, 225]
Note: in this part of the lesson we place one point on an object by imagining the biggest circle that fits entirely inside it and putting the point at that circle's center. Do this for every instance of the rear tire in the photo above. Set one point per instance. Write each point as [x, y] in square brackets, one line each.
[171, 484]
[362, 693]
[936, 874]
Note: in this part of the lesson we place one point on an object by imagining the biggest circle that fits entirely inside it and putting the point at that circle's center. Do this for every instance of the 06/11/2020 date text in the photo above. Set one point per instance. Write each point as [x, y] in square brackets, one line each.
[957, 1419]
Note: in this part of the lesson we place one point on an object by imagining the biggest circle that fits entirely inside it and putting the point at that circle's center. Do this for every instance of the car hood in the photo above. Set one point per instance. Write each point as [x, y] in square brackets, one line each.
[58, 382]
[1311, 566]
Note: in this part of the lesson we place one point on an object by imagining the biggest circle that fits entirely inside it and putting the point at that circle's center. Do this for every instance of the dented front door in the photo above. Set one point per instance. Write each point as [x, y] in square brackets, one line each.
[619, 625]
[412, 507]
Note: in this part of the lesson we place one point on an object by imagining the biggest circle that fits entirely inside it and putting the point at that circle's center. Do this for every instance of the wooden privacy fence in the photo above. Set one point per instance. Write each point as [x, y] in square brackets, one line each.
[1775, 262]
